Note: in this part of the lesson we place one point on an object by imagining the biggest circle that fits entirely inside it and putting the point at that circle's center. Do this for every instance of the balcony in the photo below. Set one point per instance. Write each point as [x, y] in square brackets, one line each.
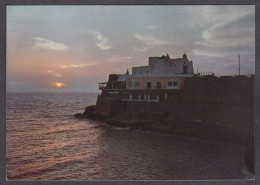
[112, 86]
[102, 85]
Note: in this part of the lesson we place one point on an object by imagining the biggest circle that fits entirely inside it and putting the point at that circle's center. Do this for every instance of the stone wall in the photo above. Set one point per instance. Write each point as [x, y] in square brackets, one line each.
[227, 102]
[108, 107]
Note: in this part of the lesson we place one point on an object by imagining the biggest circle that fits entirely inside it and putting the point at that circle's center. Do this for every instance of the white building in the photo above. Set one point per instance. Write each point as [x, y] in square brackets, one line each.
[165, 66]
[161, 73]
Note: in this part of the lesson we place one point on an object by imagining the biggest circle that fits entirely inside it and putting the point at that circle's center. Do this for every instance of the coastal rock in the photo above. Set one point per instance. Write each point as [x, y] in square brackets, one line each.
[88, 113]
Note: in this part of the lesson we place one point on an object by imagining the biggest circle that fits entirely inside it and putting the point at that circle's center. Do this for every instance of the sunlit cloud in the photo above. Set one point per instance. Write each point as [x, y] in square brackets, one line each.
[58, 75]
[42, 43]
[78, 65]
[66, 66]
[63, 66]
[49, 71]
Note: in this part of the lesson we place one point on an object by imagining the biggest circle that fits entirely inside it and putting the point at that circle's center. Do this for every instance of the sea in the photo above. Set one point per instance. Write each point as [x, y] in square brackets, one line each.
[44, 141]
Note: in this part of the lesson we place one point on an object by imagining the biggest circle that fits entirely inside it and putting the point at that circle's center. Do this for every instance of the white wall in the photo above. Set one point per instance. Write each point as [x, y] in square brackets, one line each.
[141, 71]
[164, 66]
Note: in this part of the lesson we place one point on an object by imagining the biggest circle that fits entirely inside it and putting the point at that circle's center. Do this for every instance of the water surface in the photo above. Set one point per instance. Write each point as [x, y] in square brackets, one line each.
[46, 142]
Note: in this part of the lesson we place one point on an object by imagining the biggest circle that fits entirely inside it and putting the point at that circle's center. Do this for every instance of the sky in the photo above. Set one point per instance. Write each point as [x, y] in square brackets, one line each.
[73, 48]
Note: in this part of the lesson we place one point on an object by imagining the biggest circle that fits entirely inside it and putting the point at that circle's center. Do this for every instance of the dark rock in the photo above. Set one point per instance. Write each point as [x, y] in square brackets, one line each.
[79, 115]
[88, 113]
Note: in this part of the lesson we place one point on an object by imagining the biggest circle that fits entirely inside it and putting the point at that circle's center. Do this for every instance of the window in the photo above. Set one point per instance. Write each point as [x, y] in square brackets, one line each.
[172, 83]
[130, 84]
[158, 85]
[185, 69]
[137, 84]
[148, 85]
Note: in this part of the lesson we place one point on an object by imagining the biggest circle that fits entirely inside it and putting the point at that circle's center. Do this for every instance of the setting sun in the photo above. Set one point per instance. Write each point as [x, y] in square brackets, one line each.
[59, 84]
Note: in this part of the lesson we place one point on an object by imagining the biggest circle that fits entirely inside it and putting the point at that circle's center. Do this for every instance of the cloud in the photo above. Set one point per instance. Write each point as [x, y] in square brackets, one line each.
[103, 43]
[117, 58]
[228, 36]
[141, 49]
[149, 41]
[53, 73]
[67, 66]
[229, 64]
[42, 43]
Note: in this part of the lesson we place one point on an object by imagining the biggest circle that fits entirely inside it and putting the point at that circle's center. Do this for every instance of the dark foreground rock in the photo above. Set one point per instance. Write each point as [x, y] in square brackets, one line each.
[88, 113]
